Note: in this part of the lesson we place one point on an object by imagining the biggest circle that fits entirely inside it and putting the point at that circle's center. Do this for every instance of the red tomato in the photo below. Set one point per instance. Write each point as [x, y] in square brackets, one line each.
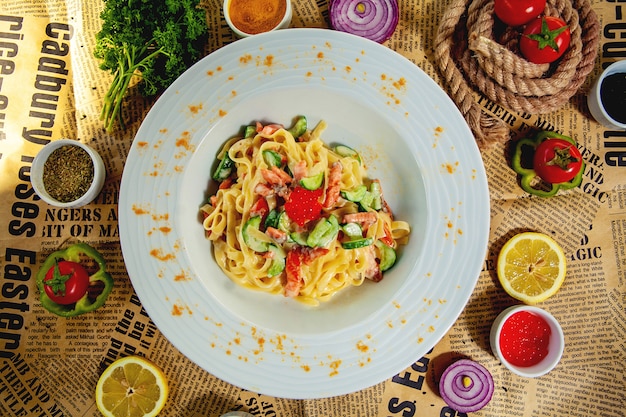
[66, 282]
[518, 12]
[557, 161]
[545, 40]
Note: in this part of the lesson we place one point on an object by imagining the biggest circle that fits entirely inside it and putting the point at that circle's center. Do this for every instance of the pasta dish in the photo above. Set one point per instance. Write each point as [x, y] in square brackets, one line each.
[296, 217]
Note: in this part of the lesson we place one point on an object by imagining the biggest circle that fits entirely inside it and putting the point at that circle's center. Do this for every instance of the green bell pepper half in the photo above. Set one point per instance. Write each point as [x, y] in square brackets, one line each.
[86, 303]
[524, 151]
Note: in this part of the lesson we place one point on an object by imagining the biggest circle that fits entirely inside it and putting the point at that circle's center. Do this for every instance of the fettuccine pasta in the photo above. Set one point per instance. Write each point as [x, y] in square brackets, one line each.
[292, 216]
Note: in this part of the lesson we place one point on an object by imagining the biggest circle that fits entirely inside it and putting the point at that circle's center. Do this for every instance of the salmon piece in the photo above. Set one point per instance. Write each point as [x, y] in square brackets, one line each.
[263, 190]
[300, 171]
[259, 208]
[388, 238]
[334, 185]
[276, 176]
[311, 254]
[293, 274]
[278, 235]
[364, 218]
[373, 271]
[267, 130]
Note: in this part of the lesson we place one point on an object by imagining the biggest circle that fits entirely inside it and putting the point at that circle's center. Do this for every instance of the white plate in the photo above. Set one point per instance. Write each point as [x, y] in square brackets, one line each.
[411, 136]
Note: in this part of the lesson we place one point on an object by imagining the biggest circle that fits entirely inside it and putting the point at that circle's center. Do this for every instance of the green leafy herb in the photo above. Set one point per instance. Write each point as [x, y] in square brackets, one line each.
[57, 283]
[154, 40]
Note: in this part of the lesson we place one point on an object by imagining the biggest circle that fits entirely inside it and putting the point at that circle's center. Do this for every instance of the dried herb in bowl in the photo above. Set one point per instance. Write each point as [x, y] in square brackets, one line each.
[68, 173]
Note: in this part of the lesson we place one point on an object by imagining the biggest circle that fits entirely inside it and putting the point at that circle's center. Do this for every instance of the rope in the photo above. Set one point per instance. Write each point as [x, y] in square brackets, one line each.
[478, 54]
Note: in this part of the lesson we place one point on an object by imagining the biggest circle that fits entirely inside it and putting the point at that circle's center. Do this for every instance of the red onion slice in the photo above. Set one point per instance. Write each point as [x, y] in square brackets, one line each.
[372, 19]
[466, 386]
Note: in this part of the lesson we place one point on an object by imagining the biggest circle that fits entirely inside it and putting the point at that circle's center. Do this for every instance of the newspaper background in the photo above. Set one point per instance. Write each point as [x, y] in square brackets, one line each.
[49, 365]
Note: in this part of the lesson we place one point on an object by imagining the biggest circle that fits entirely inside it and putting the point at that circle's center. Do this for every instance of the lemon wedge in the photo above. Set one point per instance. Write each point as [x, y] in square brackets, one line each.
[131, 386]
[531, 267]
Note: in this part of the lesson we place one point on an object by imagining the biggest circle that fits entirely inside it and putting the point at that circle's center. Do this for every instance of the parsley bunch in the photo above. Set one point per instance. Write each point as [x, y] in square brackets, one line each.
[156, 40]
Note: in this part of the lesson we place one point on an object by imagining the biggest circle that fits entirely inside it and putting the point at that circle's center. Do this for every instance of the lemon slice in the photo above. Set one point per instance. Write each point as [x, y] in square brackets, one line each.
[131, 386]
[531, 267]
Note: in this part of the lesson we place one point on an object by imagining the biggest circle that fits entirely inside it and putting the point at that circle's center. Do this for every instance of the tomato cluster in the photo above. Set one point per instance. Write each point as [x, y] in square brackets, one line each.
[544, 38]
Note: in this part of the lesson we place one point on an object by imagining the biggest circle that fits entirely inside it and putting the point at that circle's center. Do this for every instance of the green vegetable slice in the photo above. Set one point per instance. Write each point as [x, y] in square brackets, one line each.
[313, 182]
[249, 132]
[251, 238]
[299, 237]
[272, 219]
[324, 232]
[377, 194]
[355, 195]
[387, 255]
[278, 261]
[272, 158]
[224, 168]
[299, 128]
[357, 243]
[366, 202]
[346, 151]
[284, 222]
[352, 230]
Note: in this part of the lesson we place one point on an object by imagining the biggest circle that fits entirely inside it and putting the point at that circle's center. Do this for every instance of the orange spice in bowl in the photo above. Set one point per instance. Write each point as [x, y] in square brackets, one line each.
[251, 17]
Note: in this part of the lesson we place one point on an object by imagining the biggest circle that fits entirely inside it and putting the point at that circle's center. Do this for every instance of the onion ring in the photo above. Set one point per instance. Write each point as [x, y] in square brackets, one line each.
[466, 386]
[372, 19]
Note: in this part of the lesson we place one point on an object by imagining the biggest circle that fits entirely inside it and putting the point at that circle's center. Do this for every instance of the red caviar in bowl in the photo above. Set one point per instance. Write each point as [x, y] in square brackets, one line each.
[525, 338]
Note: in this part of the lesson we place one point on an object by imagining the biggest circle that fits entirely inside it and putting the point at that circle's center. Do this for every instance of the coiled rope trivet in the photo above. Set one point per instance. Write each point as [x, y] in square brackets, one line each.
[477, 54]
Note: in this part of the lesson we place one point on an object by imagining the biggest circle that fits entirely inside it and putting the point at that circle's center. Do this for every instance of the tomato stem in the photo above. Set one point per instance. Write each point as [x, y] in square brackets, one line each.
[562, 158]
[547, 37]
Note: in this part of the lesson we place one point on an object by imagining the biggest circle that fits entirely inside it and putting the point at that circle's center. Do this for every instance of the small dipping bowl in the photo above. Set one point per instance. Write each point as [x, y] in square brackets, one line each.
[527, 325]
[251, 17]
[37, 174]
[597, 107]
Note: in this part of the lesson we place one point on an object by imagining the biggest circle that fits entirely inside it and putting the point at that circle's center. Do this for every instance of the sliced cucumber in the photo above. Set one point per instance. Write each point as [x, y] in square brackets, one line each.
[355, 195]
[249, 237]
[346, 151]
[278, 261]
[352, 230]
[324, 232]
[224, 169]
[322, 227]
[272, 219]
[313, 182]
[377, 201]
[249, 132]
[284, 222]
[299, 237]
[366, 201]
[299, 128]
[357, 243]
[272, 158]
[387, 255]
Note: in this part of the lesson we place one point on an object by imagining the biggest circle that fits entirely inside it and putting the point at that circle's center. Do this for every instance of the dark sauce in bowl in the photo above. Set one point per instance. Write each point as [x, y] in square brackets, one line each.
[613, 96]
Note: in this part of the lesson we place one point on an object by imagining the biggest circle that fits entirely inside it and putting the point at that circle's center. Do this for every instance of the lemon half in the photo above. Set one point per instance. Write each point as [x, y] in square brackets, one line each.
[131, 387]
[531, 267]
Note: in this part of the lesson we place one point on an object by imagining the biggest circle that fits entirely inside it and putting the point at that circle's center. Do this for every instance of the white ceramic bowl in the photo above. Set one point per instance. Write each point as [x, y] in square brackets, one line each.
[36, 174]
[594, 100]
[556, 343]
[283, 24]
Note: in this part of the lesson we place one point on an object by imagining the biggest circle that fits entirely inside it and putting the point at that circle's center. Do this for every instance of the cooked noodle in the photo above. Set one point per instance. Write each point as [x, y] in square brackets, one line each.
[322, 270]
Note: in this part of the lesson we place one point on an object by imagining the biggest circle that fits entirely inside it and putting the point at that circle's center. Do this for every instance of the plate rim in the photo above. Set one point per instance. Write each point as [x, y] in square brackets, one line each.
[242, 44]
